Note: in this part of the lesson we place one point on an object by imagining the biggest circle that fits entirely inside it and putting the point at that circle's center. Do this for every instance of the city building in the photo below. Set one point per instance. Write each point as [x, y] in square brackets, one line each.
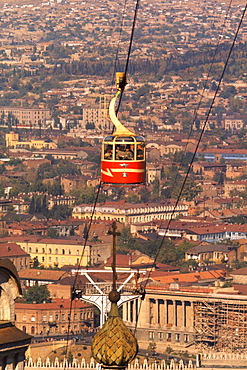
[28, 118]
[190, 311]
[55, 317]
[54, 252]
[130, 212]
[19, 258]
[96, 117]
[58, 252]
[12, 141]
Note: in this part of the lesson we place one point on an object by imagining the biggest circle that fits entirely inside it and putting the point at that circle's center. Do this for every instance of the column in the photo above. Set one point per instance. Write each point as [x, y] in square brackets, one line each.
[165, 313]
[174, 313]
[184, 313]
[136, 310]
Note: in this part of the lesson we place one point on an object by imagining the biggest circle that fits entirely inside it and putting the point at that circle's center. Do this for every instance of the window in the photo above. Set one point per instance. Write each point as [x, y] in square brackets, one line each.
[169, 337]
[37, 250]
[33, 318]
[56, 251]
[30, 250]
[24, 318]
[151, 335]
[63, 251]
[160, 335]
[69, 251]
[186, 338]
[49, 250]
[177, 337]
[44, 318]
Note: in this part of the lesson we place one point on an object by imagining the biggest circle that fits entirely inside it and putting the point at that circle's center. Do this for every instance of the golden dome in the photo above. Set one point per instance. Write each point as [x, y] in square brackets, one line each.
[114, 346]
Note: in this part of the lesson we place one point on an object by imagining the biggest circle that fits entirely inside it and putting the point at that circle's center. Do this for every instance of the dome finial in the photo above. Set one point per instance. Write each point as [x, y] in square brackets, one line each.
[114, 346]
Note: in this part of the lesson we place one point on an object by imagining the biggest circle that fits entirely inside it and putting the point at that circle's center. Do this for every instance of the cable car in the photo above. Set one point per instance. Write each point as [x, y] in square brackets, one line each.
[123, 155]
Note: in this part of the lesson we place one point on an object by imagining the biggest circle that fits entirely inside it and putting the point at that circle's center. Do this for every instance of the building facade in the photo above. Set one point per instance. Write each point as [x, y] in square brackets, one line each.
[189, 318]
[131, 213]
[55, 317]
[54, 252]
[12, 141]
[58, 252]
[27, 117]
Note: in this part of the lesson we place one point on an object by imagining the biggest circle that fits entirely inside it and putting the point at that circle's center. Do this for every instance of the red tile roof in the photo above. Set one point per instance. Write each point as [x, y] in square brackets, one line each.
[11, 250]
[54, 305]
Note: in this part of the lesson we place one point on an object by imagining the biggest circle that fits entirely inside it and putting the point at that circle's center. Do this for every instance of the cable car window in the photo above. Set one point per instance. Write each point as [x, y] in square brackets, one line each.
[140, 152]
[139, 138]
[124, 139]
[109, 138]
[108, 151]
[124, 152]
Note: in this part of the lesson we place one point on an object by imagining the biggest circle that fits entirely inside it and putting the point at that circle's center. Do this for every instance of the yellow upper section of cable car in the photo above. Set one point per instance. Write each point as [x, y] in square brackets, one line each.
[120, 129]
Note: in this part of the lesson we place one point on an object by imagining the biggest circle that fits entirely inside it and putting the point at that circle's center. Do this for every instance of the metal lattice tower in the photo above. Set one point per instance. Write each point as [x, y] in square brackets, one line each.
[97, 293]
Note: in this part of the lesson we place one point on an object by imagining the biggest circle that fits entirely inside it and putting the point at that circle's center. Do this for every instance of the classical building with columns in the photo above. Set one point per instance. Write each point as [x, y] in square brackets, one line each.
[130, 212]
[13, 342]
[190, 317]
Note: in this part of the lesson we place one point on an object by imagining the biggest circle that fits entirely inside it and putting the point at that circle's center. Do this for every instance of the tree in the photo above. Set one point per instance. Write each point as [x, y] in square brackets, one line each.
[145, 194]
[126, 241]
[190, 191]
[60, 212]
[37, 294]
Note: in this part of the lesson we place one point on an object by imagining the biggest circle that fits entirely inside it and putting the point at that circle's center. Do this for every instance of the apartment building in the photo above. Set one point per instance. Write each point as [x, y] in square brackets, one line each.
[131, 213]
[58, 252]
[98, 117]
[28, 118]
[54, 252]
[54, 318]
[12, 141]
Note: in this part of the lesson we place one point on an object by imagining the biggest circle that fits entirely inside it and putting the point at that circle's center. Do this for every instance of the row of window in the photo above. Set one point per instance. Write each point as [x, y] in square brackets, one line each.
[177, 337]
[63, 317]
[49, 251]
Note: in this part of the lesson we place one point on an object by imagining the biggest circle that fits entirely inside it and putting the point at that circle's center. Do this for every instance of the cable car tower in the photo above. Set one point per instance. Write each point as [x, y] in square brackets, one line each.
[98, 293]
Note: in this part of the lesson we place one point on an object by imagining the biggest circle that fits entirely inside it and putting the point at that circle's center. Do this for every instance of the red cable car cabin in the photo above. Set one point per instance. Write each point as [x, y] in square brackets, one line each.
[123, 160]
[123, 155]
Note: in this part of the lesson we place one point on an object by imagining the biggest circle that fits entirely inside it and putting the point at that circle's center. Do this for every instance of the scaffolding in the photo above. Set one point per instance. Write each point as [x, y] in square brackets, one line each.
[221, 325]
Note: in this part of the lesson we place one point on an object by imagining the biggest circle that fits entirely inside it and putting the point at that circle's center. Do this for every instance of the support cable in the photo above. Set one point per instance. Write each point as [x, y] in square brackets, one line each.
[78, 269]
[129, 52]
[118, 45]
[197, 146]
[195, 114]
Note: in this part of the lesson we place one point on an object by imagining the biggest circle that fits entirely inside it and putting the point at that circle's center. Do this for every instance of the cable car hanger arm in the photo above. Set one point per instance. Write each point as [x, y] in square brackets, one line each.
[120, 129]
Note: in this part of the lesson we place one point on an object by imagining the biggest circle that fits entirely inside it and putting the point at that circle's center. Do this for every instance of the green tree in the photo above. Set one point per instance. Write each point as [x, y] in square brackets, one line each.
[132, 198]
[37, 294]
[190, 191]
[60, 212]
[145, 194]
[126, 241]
